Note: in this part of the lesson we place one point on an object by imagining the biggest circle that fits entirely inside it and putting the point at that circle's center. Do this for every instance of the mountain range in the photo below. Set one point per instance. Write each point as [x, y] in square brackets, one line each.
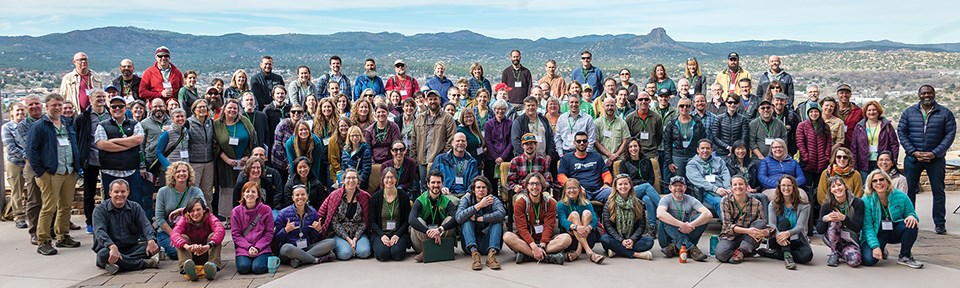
[106, 46]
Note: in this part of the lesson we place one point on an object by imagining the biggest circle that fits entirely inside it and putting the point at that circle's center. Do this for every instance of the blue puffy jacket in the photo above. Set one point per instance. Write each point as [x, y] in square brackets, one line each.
[290, 214]
[936, 135]
[771, 169]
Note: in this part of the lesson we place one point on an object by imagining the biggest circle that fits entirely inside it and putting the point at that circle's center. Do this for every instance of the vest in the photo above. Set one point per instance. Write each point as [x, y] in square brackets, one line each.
[124, 160]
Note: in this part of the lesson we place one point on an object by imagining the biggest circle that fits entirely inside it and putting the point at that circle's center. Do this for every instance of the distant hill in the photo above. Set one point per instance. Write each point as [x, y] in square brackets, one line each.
[108, 45]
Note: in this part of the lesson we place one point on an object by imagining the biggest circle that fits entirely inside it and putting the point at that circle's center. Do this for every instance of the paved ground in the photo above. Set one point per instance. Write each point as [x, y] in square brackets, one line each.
[75, 267]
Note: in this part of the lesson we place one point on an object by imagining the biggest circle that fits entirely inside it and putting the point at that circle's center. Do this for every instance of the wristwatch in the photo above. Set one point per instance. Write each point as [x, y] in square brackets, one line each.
[211, 244]
[440, 229]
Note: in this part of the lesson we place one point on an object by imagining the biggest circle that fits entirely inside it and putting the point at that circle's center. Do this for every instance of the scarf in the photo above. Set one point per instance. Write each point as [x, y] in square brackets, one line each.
[625, 215]
[842, 172]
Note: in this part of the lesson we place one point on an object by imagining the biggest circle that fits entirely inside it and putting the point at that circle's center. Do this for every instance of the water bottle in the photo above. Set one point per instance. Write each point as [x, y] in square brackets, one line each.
[713, 245]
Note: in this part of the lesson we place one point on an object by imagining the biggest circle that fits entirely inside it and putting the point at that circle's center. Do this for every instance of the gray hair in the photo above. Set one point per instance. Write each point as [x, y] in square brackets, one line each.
[178, 111]
[500, 103]
[119, 181]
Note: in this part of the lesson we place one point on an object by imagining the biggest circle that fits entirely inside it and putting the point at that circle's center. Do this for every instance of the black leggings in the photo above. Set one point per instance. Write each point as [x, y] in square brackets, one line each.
[799, 248]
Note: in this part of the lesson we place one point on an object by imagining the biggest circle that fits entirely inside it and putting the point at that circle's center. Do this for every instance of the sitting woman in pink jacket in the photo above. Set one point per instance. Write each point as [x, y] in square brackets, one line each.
[198, 237]
[252, 223]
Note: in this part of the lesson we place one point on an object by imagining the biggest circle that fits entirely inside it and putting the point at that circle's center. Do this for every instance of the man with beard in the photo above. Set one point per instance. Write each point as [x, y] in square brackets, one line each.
[153, 125]
[729, 77]
[764, 130]
[119, 140]
[263, 82]
[215, 102]
[927, 130]
[127, 82]
[849, 112]
[432, 132]
[589, 168]
[431, 216]
[79, 84]
[518, 77]
[162, 80]
[276, 111]
[790, 120]
[701, 114]
[406, 85]
[369, 79]
[86, 124]
[335, 76]
[259, 119]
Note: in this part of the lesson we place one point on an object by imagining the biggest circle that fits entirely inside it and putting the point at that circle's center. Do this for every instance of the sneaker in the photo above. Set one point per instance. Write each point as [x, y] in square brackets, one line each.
[910, 262]
[766, 252]
[652, 231]
[696, 254]
[327, 258]
[33, 240]
[74, 226]
[737, 257]
[190, 269]
[210, 270]
[556, 258]
[294, 263]
[610, 254]
[162, 253]
[646, 255]
[418, 258]
[112, 269]
[670, 251]
[941, 229]
[492, 260]
[521, 258]
[152, 262]
[46, 249]
[89, 229]
[22, 224]
[788, 261]
[833, 260]
[476, 261]
[67, 242]
[884, 253]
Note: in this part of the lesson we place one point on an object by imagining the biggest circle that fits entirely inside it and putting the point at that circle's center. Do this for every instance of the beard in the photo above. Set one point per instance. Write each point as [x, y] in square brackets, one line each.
[159, 114]
[371, 74]
[126, 73]
[515, 62]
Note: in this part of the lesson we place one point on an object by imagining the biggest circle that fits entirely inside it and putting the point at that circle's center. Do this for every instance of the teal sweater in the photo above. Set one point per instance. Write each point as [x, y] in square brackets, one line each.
[899, 205]
[563, 211]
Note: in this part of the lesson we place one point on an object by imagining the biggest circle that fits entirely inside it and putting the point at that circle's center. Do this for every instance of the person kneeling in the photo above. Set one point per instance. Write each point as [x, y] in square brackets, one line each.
[431, 216]
[743, 226]
[624, 218]
[682, 221]
[197, 237]
[481, 220]
[535, 217]
[123, 237]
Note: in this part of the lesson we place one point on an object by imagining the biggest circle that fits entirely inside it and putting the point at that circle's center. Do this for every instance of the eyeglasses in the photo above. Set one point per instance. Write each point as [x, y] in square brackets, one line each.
[296, 112]
[643, 99]
[580, 141]
[452, 94]
[118, 106]
[776, 87]
[163, 56]
[585, 58]
[732, 102]
[624, 74]
[765, 108]
[398, 149]
[842, 157]
[684, 106]
[878, 180]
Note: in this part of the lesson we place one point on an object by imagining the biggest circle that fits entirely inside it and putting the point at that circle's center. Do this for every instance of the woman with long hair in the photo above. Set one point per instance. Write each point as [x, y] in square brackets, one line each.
[306, 144]
[787, 214]
[381, 134]
[362, 113]
[697, 81]
[316, 190]
[335, 149]
[269, 180]
[357, 155]
[345, 213]
[841, 164]
[888, 217]
[325, 119]
[840, 223]
[482, 108]
[886, 162]
[171, 199]
[252, 242]
[871, 135]
[772, 89]
[814, 144]
[640, 170]
[235, 139]
[238, 85]
[623, 218]
[389, 211]
[578, 218]
[310, 105]
[405, 121]
[659, 75]
[344, 104]
[469, 127]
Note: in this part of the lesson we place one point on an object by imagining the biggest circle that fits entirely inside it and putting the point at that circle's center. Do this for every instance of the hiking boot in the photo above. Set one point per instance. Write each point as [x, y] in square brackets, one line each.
[418, 258]
[210, 270]
[152, 262]
[327, 258]
[833, 260]
[46, 249]
[522, 258]
[737, 257]
[645, 255]
[696, 254]
[556, 258]
[33, 240]
[884, 253]
[476, 261]
[766, 252]
[22, 224]
[492, 260]
[910, 262]
[652, 230]
[190, 269]
[74, 226]
[67, 242]
[112, 269]
[670, 251]
[941, 229]
[788, 261]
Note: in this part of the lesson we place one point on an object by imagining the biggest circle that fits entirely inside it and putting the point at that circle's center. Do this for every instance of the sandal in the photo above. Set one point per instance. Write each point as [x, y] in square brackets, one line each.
[596, 258]
[572, 256]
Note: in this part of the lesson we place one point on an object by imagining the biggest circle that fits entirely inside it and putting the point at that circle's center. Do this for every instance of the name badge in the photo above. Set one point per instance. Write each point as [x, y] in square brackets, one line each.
[406, 142]
[167, 85]
[686, 144]
[873, 148]
[326, 141]
[302, 243]
[238, 167]
[845, 235]
[479, 150]
[608, 133]
[886, 225]
[645, 135]
[483, 134]
[90, 91]
[458, 181]
[391, 225]
[538, 229]
[403, 92]
[517, 84]
[184, 154]
[768, 141]
[63, 141]
[539, 139]
[691, 91]
[711, 178]
[234, 141]
[390, 117]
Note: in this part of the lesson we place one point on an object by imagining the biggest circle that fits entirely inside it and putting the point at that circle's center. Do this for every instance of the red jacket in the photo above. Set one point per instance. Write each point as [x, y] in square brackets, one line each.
[329, 207]
[199, 233]
[856, 114]
[548, 218]
[151, 83]
[814, 148]
[410, 85]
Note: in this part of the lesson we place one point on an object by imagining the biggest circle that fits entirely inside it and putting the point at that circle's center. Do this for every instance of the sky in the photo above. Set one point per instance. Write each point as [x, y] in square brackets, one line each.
[684, 20]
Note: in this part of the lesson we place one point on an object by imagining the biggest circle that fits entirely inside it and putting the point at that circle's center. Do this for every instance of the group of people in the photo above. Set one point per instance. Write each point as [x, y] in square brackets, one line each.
[288, 168]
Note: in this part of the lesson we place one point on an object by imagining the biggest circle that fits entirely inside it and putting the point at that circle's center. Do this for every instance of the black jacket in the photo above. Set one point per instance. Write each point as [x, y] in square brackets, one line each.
[728, 129]
[673, 140]
[643, 166]
[84, 128]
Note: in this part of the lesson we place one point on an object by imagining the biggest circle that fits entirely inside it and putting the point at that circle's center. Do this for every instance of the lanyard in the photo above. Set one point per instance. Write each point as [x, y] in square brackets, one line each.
[643, 123]
[846, 206]
[733, 81]
[737, 204]
[530, 166]
[874, 134]
[571, 123]
[461, 166]
[392, 206]
[536, 210]
[692, 123]
[516, 74]
[586, 72]
[885, 213]
[301, 224]
[766, 127]
[400, 82]
[380, 134]
[709, 168]
[252, 116]
[233, 134]
[119, 125]
[679, 208]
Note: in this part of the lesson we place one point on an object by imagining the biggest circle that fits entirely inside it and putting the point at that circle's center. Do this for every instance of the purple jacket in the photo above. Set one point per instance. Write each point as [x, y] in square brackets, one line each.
[861, 147]
[261, 234]
[497, 136]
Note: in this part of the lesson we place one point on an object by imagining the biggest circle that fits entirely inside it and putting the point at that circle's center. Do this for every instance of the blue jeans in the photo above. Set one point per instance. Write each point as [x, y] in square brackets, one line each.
[650, 198]
[900, 234]
[667, 235]
[713, 203]
[642, 244]
[490, 237]
[344, 252]
[599, 194]
[247, 265]
[139, 193]
[163, 239]
[936, 169]
[665, 173]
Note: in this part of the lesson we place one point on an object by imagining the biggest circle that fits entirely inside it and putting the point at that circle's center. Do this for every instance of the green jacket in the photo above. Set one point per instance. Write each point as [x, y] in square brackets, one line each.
[899, 206]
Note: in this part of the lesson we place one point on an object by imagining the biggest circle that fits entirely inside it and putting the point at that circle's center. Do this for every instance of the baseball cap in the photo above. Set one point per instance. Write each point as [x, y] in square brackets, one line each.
[587, 87]
[501, 86]
[733, 55]
[844, 87]
[432, 92]
[765, 102]
[781, 96]
[663, 91]
[105, 89]
[529, 137]
[118, 98]
[162, 50]
[676, 179]
[399, 62]
[214, 89]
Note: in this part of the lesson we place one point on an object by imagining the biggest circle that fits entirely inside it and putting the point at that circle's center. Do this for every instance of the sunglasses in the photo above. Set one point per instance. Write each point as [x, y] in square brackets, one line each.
[624, 74]
[398, 149]
[580, 141]
[643, 99]
[368, 95]
[684, 106]
[765, 108]
[585, 58]
[296, 112]
[842, 157]
[732, 102]
[118, 106]
[458, 95]
[163, 56]
[878, 180]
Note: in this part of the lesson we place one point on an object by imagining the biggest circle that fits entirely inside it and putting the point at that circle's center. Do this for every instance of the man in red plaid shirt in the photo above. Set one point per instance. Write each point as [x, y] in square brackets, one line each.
[526, 163]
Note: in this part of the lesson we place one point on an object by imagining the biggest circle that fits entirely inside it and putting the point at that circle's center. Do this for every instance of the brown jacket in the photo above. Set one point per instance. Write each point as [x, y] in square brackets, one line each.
[443, 129]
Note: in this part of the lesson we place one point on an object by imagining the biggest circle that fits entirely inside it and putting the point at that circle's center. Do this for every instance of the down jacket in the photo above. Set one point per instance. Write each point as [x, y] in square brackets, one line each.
[860, 146]
[936, 135]
[771, 169]
[814, 148]
[728, 129]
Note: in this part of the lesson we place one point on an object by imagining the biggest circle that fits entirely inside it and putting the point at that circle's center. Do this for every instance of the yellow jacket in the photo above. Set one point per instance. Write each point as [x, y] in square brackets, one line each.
[724, 78]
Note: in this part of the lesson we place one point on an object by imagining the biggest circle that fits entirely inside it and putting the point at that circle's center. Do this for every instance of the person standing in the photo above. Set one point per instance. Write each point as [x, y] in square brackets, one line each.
[587, 73]
[263, 82]
[127, 83]
[162, 80]
[402, 82]
[926, 130]
[78, 85]
[432, 131]
[13, 165]
[369, 80]
[85, 125]
[31, 195]
[729, 77]
[335, 76]
[119, 140]
[776, 73]
[557, 85]
[52, 151]
[518, 77]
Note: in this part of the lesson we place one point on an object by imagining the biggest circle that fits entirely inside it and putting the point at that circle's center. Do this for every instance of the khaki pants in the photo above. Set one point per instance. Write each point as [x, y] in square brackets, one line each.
[31, 200]
[204, 175]
[14, 209]
[212, 255]
[56, 192]
[417, 237]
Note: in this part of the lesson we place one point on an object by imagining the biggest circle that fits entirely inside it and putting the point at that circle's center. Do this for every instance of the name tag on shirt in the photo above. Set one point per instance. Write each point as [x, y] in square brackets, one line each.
[886, 225]
[645, 135]
[234, 141]
[873, 148]
[539, 139]
[538, 229]
[403, 92]
[711, 178]
[479, 151]
[691, 91]
[458, 181]
[391, 117]
[90, 91]
[686, 144]
[391, 225]
[63, 141]
[768, 141]
[517, 84]
[167, 85]
[302, 243]
[184, 154]
[327, 141]
[608, 133]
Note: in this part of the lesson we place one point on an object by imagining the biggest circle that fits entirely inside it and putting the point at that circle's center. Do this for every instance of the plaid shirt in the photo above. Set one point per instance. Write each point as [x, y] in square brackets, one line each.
[520, 167]
[732, 216]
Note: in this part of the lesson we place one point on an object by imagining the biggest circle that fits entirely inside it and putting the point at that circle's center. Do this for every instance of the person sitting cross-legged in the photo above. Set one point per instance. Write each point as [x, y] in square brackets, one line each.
[682, 221]
[536, 218]
[742, 225]
[481, 215]
[623, 216]
[198, 237]
[119, 228]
